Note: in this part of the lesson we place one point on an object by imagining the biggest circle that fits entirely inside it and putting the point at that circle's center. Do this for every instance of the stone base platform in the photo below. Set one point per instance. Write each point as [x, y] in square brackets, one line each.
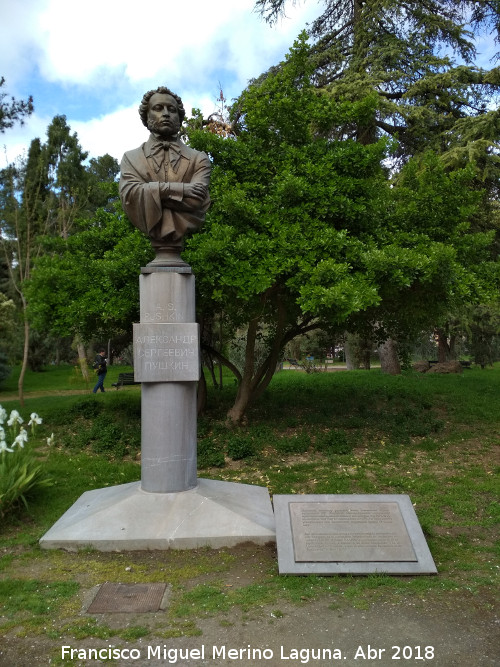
[126, 518]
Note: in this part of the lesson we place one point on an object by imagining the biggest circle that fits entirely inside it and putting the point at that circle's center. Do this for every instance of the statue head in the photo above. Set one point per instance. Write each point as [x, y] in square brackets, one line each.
[144, 105]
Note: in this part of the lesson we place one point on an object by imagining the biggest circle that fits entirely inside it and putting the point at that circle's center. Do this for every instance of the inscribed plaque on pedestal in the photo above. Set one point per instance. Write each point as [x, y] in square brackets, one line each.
[166, 352]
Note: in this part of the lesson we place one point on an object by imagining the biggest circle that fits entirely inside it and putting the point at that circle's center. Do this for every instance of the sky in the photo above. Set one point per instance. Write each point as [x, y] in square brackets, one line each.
[92, 61]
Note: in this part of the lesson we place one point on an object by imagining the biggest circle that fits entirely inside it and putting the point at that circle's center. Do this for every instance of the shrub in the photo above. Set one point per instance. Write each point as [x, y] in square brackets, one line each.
[241, 447]
[4, 367]
[85, 407]
[210, 454]
[103, 437]
[333, 442]
[295, 444]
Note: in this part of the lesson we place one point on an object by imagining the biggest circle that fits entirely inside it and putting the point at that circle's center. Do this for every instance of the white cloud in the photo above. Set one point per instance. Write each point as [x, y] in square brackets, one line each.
[182, 39]
[113, 47]
[19, 45]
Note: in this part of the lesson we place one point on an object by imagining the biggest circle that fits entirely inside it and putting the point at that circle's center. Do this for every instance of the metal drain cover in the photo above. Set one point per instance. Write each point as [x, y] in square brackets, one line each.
[138, 598]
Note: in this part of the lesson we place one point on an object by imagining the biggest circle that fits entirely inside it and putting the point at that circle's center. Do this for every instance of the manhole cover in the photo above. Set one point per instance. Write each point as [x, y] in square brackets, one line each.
[127, 598]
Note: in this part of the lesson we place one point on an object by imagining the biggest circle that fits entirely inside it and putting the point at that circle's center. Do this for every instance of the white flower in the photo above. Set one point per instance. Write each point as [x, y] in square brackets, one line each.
[3, 415]
[21, 438]
[15, 418]
[3, 447]
[34, 419]
[50, 441]
[2, 433]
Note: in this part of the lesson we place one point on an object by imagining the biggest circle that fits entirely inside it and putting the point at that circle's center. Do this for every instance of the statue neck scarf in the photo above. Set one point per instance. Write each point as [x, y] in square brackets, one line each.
[161, 149]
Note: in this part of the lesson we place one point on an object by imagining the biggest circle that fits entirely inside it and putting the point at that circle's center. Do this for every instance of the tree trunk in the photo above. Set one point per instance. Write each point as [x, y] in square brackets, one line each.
[389, 360]
[82, 359]
[201, 395]
[20, 384]
[446, 348]
[357, 352]
[208, 363]
[236, 412]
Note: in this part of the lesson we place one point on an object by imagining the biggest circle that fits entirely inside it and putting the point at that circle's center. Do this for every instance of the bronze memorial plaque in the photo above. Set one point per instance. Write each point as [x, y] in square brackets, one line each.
[166, 352]
[349, 532]
[324, 534]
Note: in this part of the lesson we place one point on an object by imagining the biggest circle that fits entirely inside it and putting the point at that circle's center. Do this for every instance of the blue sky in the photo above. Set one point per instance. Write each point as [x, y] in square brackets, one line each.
[93, 61]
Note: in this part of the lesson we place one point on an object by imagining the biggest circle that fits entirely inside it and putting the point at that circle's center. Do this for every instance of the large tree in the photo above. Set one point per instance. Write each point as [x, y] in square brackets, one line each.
[444, 259]
[305, 232]
[43, 195]
[22, 224]
[419, 59]
[12, 110]
[86, 285]
[293, 214]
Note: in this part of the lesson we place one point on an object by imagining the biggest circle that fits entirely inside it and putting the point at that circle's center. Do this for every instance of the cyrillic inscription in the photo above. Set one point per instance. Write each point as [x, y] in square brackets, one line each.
[166, 352]
[354, 532]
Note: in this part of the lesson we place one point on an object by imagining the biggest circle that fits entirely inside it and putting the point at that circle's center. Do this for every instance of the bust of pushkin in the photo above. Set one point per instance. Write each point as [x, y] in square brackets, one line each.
[163, 182]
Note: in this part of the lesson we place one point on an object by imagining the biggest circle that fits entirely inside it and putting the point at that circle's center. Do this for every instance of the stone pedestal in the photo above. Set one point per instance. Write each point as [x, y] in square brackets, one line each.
[214, 514]
[166, 361]
[170, 508]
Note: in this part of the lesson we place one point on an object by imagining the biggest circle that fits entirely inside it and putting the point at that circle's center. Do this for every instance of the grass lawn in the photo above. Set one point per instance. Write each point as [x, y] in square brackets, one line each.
[433, 437]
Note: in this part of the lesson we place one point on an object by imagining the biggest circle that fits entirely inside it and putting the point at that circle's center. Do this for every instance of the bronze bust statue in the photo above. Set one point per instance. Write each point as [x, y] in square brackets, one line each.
[164, 183]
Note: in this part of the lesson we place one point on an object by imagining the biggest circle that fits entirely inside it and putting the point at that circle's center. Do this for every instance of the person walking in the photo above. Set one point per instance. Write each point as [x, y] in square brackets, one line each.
[100, 366]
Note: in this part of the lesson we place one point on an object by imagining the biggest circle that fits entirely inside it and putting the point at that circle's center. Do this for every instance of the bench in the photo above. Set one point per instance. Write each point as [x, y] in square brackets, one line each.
[464, 364]
[308, 366]
[124, 379]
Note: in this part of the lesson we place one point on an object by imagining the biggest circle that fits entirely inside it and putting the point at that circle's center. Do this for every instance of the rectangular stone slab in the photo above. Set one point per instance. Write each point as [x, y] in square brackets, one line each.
[350, 534]
[166, 352]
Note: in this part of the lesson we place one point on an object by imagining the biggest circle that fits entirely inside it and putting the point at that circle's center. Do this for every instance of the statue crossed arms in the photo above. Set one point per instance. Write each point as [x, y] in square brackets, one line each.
[164, 183]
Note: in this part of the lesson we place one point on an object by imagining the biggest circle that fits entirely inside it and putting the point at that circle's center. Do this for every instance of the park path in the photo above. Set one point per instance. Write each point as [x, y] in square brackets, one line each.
[14, 396]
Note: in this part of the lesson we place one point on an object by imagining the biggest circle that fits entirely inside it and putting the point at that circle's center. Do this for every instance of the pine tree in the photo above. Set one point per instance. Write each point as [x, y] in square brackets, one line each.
[418, 58]
[13, 111]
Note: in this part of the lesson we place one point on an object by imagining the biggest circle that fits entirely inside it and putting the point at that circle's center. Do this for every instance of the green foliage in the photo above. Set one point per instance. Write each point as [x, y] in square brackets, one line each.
[5, 368]
[13, 111]
[240, 447]
[87, 284]
[406, 54]
[292, 212]
[298, 443]
[437, 259]
[304, 231]
[333, 442]
[111, 428]
[210, 453]
[34, 596]
[482, 327]
[21, 476]
[21, 473]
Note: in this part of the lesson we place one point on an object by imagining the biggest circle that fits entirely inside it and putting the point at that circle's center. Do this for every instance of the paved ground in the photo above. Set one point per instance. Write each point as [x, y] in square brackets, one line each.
[441, 634]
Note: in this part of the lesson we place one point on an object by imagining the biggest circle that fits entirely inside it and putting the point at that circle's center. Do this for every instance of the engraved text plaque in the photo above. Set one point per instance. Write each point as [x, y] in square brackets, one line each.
[166, 352]
[349, 532]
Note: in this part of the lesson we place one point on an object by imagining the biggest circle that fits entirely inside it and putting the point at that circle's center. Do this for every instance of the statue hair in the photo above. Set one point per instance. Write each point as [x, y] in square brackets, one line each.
[143, 107]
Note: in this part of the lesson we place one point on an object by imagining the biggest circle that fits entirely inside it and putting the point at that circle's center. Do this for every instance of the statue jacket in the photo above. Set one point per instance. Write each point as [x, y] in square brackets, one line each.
[152, 188]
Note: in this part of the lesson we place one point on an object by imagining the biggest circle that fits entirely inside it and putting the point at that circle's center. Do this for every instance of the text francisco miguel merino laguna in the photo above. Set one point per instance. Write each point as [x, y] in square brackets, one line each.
[173, 655]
